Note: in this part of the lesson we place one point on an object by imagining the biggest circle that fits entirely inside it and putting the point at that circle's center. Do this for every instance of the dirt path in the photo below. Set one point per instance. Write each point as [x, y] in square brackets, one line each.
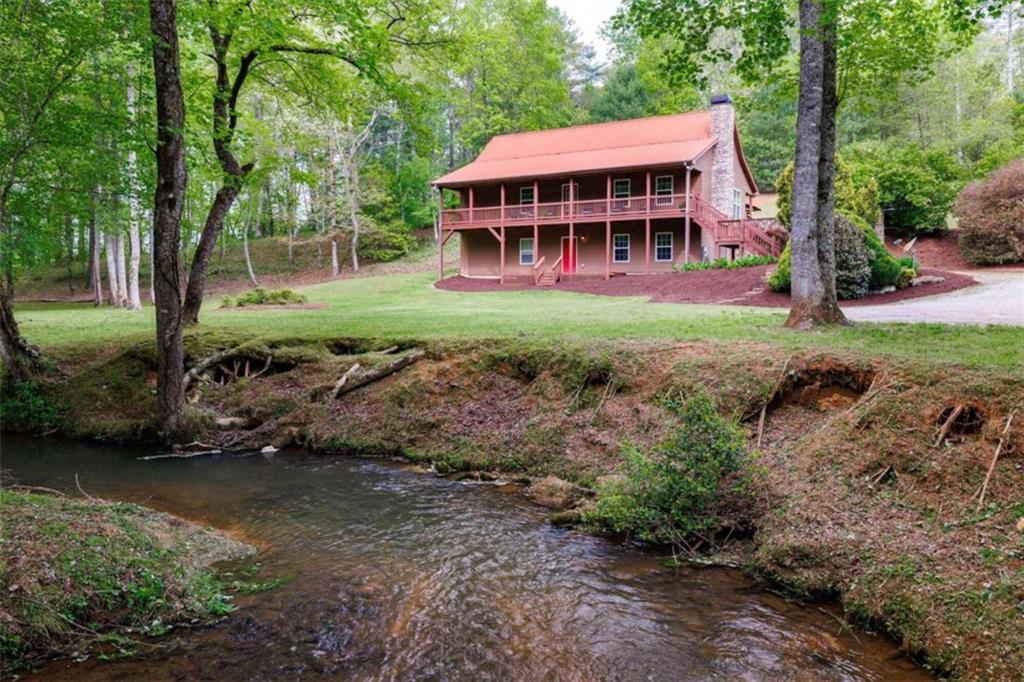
[998, 298]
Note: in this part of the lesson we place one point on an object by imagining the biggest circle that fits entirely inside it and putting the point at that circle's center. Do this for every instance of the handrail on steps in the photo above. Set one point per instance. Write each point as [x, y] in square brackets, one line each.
[538, 268]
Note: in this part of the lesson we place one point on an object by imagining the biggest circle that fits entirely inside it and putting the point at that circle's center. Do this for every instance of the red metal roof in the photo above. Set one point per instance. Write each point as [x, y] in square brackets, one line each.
[641, 142]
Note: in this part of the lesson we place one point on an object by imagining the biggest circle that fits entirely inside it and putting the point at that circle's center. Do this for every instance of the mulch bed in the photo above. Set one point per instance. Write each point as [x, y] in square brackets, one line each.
[941, 251]
[743, 286]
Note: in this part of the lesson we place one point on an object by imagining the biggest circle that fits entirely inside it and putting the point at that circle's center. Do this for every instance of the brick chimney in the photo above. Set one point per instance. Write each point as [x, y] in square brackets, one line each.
[723, 168]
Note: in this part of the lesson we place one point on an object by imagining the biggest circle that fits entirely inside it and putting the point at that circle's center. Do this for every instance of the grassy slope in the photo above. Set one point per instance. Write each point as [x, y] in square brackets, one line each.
[408, 306]
[77, 573]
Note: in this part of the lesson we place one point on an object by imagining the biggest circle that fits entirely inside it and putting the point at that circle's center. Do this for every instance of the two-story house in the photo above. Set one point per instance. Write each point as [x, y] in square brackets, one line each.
[604, 199]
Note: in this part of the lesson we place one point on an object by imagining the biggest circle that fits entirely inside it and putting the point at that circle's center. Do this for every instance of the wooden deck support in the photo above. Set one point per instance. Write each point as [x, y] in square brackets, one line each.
[440, 231]
[572, 226]
[686, 220]
[608, 229]
[501, 264]
[536, 223]
[647, 228]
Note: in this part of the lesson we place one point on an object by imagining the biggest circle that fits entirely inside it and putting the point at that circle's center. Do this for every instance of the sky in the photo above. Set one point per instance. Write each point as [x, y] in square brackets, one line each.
[588, 15]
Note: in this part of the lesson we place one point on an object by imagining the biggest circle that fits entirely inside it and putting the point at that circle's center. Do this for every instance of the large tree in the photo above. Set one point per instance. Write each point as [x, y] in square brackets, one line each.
[842, 44]
[245, 38]
[168, 201]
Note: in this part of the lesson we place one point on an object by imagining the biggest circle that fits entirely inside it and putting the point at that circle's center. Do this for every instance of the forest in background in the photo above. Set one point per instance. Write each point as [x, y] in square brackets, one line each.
[340, 151]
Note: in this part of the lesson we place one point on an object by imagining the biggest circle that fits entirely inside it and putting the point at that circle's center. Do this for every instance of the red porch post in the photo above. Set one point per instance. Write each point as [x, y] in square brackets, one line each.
[501, 222]
[440, 233]
[647, 227]
[536, 219]
[471, 203]
[608, 228]
[572, 227]
[686, 220]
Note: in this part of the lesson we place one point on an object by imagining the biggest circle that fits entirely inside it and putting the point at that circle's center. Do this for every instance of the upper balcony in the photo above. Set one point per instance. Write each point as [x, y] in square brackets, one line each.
[582, 211]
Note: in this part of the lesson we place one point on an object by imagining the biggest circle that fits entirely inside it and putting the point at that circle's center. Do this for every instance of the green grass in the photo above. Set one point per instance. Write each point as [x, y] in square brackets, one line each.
[407, 305]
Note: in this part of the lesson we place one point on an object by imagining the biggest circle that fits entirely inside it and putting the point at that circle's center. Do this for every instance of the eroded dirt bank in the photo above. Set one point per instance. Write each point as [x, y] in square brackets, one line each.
[867, 490]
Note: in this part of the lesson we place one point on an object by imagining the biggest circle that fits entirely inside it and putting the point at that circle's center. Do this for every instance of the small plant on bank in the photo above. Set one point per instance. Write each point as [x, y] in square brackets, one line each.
[261, 296]
[673, 493]
[725, 263]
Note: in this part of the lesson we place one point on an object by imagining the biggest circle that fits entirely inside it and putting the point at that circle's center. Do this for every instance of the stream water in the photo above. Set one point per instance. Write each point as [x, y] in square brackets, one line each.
[397, 575]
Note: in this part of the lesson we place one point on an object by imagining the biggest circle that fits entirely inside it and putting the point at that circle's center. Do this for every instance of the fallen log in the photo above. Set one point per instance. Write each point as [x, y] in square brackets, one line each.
[353, 380]
[344, 380]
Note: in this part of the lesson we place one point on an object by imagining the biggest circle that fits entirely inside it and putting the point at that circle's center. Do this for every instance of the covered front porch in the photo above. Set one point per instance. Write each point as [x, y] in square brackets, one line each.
[547, 253]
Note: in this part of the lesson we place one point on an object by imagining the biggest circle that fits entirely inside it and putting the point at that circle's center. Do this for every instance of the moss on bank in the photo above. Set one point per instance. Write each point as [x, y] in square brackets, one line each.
[856, 499]
[81, 577]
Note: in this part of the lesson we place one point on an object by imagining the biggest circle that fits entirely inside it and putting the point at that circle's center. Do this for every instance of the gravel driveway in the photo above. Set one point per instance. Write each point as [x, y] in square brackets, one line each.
[998, 298]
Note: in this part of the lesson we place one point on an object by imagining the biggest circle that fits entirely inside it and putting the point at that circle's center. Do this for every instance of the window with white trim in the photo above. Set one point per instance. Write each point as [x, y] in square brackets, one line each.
[620, 188]
[526, 251]
[663, 247]
[664, 186]
[737, 204]
[620, 248]
[525, 195]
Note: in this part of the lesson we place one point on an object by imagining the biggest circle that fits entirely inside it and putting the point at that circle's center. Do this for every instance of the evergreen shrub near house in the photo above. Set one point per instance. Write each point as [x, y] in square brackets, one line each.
[991, 216]
[862, 262]
[676, 490]
[856, 194]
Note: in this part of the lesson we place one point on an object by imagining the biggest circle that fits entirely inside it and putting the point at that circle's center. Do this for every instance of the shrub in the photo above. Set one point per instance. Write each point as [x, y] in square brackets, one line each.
[671, 493]
[884, 269]
[386, 242]
[991, 216]
[725, 263]
[853, 260]
[261, 296]
[856, 193]
[916, 187]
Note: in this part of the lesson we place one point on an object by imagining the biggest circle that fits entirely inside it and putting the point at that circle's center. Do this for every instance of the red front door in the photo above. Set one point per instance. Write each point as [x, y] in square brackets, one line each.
[568, 255]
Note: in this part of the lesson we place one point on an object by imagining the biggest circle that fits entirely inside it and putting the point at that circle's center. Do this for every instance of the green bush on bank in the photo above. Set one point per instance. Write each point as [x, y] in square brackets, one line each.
[670, 493]
[725, 263]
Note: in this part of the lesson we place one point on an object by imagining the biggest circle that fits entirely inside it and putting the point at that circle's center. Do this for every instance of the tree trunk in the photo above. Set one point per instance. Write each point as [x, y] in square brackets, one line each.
[812, 302]
[134, 243]
[95, 280]
[18, 356]
[167, 205]
[112, 294]
[245, 242]
[69, 238]
[335, 267]
[204, 251]
[826, 222]
[122, 275]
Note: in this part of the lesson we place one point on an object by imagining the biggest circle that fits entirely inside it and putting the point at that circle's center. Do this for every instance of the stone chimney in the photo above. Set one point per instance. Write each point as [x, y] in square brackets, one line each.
[723, 168]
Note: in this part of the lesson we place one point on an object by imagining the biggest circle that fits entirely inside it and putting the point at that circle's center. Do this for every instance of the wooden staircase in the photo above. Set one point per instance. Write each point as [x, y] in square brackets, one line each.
[546, 277]
[760, 237]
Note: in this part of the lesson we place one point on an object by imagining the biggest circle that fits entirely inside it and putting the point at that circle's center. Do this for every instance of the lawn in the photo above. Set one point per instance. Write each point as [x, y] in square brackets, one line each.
[407, 305]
